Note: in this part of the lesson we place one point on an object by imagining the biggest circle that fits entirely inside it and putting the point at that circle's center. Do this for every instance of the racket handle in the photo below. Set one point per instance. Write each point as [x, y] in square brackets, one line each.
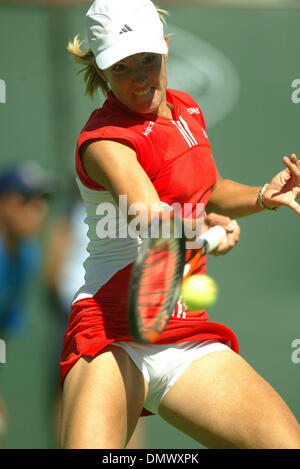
[212, 238]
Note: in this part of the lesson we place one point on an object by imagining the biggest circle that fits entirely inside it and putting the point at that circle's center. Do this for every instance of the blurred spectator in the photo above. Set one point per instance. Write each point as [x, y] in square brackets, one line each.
[24, 189]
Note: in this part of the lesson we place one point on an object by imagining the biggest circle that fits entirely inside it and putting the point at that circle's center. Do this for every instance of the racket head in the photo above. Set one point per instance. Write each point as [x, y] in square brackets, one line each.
[155, 282]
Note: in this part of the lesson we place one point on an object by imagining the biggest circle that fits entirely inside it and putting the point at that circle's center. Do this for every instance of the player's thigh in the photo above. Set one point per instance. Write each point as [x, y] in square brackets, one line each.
[223, 403]
[102, 401]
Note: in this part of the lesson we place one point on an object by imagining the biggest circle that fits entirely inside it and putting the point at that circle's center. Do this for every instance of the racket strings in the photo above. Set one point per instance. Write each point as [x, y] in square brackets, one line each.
[155, 284]
[159, 272]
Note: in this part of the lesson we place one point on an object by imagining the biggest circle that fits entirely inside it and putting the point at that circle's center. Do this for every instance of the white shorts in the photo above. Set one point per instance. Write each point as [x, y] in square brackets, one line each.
[162, 365]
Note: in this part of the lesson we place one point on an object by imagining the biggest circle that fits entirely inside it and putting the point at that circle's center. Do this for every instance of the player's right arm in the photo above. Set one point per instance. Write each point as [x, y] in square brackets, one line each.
[115, 166]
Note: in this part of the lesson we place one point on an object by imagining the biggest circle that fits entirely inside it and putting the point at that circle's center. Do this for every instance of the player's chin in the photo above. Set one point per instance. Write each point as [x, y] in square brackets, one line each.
[148, 104]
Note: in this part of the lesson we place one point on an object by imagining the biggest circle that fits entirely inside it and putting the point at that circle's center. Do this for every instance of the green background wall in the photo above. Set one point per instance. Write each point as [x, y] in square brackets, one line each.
[259, 280]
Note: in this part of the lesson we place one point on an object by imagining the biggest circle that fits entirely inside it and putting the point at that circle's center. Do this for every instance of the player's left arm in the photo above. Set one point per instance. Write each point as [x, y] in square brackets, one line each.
[233, 199]
[237, 200]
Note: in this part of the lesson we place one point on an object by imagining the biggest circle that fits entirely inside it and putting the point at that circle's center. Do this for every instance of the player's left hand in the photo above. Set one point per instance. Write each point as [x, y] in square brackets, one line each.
[231, 227]
[284, 188]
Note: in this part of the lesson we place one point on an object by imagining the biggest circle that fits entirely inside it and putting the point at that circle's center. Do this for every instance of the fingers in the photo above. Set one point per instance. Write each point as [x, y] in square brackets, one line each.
[295, 206]
[293, 164]
[213, 219]
[231, 227]
[231, 239]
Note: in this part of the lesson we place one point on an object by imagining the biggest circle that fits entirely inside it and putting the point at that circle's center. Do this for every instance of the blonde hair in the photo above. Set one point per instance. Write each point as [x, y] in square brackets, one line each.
[92, 75]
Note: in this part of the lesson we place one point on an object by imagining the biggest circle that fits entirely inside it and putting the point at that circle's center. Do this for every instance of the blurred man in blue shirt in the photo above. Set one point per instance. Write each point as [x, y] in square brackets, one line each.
[24, 189]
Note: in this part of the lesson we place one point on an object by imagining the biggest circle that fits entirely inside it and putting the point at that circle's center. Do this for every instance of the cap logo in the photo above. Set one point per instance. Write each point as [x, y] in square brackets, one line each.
[125, 29]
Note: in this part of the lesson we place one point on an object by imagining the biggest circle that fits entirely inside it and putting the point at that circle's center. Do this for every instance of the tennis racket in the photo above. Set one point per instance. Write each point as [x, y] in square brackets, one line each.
[157, 276]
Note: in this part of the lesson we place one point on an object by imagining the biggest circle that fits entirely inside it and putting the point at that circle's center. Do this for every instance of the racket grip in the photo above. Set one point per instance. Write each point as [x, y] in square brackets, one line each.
[212, 238]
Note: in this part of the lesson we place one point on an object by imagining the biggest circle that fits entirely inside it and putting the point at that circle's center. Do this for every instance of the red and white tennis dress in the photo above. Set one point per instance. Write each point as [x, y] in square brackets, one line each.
[176, 155]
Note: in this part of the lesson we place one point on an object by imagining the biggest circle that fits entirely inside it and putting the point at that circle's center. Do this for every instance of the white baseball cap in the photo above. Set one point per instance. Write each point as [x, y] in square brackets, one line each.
[120, 28]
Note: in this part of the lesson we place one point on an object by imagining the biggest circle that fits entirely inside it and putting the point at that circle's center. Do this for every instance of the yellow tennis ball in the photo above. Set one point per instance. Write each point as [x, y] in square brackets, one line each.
[199, 292]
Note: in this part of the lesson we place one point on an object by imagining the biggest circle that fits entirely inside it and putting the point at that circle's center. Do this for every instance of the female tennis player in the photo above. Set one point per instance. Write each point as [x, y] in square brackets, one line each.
[149, 143]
